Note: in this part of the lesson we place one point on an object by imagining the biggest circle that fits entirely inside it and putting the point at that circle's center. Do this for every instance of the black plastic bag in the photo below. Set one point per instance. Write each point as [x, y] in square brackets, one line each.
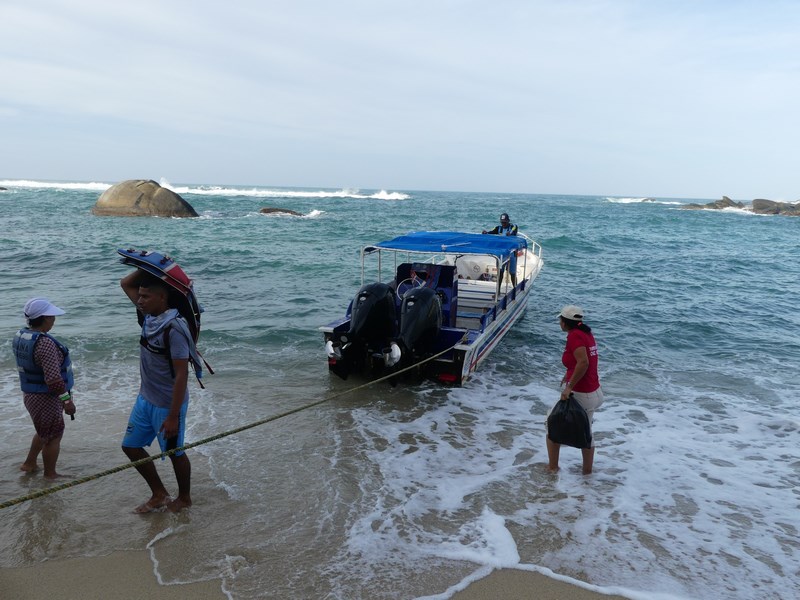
[568, 424]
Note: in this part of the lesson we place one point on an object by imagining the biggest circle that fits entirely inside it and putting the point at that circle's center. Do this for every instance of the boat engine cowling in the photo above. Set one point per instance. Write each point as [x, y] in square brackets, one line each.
[420, 319]
[373, 316]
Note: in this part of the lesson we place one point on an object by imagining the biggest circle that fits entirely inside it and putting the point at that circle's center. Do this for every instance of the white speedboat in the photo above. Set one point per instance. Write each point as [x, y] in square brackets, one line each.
[442, 294]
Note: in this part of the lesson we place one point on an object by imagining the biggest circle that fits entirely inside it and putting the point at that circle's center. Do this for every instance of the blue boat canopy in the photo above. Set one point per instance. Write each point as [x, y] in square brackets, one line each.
[454, 242]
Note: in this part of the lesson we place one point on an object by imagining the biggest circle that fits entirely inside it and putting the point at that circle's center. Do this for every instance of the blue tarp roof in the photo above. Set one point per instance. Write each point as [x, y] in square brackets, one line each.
[454, 242]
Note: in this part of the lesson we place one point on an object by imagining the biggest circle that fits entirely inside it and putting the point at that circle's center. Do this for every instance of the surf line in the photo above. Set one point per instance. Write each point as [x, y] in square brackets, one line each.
[142, 461]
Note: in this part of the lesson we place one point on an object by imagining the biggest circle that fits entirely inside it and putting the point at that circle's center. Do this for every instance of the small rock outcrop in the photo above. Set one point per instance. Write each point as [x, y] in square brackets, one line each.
[770, 207]
[716, 205]
[759, 206]
[268, 210]
[141, 198]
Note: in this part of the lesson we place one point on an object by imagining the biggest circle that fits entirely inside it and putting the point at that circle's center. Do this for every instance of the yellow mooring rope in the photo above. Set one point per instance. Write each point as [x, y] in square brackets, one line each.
[81, 480]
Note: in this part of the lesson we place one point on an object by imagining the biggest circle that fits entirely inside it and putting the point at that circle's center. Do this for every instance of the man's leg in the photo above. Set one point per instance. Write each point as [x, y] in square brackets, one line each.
[160, 496]
[183, 473]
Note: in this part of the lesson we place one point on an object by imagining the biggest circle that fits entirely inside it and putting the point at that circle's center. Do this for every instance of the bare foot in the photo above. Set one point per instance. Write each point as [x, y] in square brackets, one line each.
[153, 505]
[29, 468]
[179, 504]
[53, 476]
[552, 469]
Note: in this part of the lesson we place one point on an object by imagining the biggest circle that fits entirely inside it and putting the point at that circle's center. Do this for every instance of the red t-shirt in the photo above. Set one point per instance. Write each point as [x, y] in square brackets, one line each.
[575, 339]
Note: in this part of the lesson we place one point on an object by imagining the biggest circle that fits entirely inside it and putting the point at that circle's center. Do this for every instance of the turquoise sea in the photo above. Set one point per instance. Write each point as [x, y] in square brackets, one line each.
[412, 492]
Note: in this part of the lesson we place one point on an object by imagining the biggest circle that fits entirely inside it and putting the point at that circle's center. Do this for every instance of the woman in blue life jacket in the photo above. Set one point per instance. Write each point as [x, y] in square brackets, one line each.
[45, 374]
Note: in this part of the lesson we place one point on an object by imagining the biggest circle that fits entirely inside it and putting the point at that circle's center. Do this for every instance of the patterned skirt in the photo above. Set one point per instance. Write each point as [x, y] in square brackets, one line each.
[47, 413]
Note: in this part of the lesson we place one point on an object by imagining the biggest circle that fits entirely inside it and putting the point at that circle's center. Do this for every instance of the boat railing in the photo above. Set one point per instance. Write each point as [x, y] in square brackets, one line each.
[534, 246]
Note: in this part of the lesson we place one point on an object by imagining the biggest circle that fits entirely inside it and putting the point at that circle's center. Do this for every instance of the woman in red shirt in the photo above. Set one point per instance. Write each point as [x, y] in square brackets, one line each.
[581, 379]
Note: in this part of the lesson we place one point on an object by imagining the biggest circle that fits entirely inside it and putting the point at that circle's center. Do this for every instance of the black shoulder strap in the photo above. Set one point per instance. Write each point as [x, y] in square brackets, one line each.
[167, 352]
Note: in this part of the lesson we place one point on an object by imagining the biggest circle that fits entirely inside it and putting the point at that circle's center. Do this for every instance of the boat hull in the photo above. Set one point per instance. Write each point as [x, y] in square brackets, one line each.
[469, 355]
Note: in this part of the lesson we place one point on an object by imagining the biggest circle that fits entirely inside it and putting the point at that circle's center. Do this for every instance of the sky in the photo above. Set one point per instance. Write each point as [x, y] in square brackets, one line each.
[666, 99]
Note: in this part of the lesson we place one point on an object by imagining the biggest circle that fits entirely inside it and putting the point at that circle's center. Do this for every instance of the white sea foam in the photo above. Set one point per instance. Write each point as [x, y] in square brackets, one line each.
[629, 200]
[655, 496]
[70, 185]
[433, 473]
[747, 210]
[641, 200]
[201, 190]
[310, 215]
[257, 192]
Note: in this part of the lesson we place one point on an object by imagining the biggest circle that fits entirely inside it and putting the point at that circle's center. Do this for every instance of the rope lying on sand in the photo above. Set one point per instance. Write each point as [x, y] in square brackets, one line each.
[130, 465]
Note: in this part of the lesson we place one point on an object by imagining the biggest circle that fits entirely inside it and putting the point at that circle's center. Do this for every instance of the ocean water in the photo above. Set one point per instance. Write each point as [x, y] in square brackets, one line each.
[412, 492]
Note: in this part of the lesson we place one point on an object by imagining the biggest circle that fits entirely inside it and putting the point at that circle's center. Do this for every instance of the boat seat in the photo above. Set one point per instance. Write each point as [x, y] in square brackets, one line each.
[475, 299]
[403, 272]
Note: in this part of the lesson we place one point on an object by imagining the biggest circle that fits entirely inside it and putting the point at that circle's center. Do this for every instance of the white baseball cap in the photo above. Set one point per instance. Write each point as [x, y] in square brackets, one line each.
[572, 312]
[41, 307]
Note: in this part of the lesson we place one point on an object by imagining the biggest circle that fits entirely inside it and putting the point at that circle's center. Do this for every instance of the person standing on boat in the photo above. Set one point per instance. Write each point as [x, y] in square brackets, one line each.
[163, 399]
[581, 378]
[46, 379]
[506, 227]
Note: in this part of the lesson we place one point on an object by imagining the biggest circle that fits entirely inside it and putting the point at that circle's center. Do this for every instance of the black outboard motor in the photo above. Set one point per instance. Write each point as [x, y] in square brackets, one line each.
[373, 326]
[373, 317]
[420, 319]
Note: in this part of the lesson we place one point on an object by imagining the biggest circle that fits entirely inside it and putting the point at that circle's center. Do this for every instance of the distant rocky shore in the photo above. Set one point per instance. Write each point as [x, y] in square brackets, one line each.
[759, 206]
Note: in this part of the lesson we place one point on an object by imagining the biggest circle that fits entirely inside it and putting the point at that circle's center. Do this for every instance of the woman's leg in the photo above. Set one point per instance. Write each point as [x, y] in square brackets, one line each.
[33, 454]
[553, 450]
[50, 453]
[590, 402]
[588, 460]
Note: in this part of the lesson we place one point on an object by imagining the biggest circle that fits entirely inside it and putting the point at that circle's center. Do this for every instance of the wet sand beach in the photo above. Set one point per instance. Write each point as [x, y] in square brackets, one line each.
[121, 575]
[129, 576]
[513, 584]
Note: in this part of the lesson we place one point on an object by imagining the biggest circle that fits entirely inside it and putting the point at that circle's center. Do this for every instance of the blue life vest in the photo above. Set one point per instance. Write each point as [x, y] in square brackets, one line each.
[31, 375]
[506, 230]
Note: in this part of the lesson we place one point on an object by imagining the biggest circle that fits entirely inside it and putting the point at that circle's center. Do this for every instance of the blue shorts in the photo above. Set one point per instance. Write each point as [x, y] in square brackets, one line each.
[145, 422]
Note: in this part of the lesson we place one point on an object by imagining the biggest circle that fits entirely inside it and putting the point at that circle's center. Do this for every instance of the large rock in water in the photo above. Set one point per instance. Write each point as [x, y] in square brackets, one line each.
[770, 207]
[716, 205]
[269, 210]
[141, 198]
